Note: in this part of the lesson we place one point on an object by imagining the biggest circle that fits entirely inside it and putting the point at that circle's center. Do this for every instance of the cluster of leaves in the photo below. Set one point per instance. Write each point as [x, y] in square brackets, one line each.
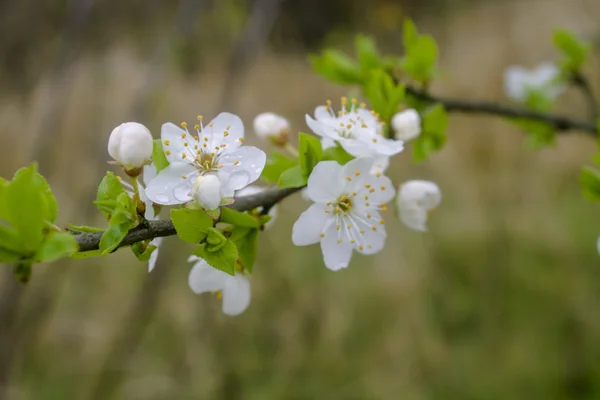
[376, 75]
[28, 210]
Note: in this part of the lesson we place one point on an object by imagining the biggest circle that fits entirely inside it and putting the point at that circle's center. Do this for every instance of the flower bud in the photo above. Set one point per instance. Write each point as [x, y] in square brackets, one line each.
[271, 126]
[415, 200]
[406, 124]
[207, 191]
[130, 144]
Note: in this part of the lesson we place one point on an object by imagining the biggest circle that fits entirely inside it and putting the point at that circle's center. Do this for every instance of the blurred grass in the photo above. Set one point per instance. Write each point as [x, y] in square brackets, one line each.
[498, 301]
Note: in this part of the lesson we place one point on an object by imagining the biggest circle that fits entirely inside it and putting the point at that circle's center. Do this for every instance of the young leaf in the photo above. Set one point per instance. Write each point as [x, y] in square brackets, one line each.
[191, 225]
[421, 54]
[56, 245]
[433, 136]
[292, 178]
[276, 164]
[143, 252]
[590, 183]
[27, 208]
[575, 52]
[10, 240]
[8, 256]
[310, 152]
[237, 218]
[366, 51]
[52, 204]
[158, 156]
[246, 242]
[109, 189]
[223, 259]
[410, 35]
[112, 237]
[338, 154]
[337, 67]
[83, 228]
[85, 254]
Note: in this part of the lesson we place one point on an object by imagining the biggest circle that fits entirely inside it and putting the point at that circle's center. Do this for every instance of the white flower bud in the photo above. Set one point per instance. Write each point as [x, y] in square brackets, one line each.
[269, 125]
[207, 191]
[406, 124]
[415, 199]
[130, 144]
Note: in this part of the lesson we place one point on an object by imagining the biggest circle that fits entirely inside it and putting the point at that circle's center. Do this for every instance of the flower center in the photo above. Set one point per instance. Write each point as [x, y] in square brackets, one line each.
[344, 204]
[206, 162]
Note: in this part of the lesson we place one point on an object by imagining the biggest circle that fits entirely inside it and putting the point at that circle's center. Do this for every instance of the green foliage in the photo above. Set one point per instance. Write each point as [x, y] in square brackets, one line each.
[590, 183]
[367, 53]
[420, 54]
[218, 251]
[109, 189]
[158, 156]
[292, 178]
[383, 94]
[143, 250]
[539, 134]
[337, 67]
[246, 242]
[112, 237]
[574, 51]
[433, 135]
[191, 225]
[337, 154]
[237, 218]
[56, 245]
[276, 164]
[310, 152]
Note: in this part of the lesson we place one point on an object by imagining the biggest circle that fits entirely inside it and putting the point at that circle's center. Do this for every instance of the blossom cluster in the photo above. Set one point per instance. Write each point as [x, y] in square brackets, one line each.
[209, 165]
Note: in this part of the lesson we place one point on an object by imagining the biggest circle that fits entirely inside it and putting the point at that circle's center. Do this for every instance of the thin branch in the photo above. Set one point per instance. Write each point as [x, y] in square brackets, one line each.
[88, 241]
[561, 123]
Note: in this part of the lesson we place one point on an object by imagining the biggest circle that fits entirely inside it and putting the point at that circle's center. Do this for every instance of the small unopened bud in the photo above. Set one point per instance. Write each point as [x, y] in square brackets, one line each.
[207, 192]
[130, 144]
[406, 124]
[415, 200]
[270, 126]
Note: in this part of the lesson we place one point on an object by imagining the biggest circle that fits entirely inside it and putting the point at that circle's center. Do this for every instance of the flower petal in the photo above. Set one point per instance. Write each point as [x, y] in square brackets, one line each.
[236, 295]
[204, 278]
[413, 217]
[176, 142]
[154, 256]
[309, 226]
[240, 168]
[169, 187]
[325, 182]
[336, 255]
[221, 124]
[380, 165]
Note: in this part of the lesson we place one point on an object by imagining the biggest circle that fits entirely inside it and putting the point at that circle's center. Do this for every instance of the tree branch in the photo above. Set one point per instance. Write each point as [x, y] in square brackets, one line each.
[561, 123]
[88, 241]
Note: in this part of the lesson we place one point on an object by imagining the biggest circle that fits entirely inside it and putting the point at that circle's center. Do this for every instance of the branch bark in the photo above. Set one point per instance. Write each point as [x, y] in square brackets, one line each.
[88, 241]
[561, 123]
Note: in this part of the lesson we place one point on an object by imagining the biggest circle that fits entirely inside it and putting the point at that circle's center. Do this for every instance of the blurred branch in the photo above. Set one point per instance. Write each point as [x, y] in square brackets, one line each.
[584, 85]
[88, 241]
[561, 123]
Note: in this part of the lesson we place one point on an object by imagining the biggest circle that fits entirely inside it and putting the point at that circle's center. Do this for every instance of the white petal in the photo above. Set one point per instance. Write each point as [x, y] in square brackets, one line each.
[309, 226]
[373, 238]
[236, 295]
[413, 217]
[380, 190]
[149, 173]
[174, 140]
[325, 182]
[380, 165]
[327, 142]
[273, 213]
[154, 256]
[241, 167]
[204, 278]
[321, 128]
[169, 187]
[387, 147]
[215, 131]
[357, 148]
[336, 255]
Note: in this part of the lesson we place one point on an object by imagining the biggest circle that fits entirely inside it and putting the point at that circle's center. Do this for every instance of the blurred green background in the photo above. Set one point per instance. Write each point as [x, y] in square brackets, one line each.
[499, 300]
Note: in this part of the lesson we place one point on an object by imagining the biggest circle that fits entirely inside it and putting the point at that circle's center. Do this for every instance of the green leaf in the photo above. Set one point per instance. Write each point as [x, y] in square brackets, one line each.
[292, 178]
[191, 225]
[215, 239]
[143, 251]
[124, 212]
[575, 51]
[310, 152]
[337, 67]
[338, 154]
[223, 259]
[366, 51]
[112, 237]
[433, 135]
[246, 242]
[56, 245]
[27, 208]
[86, 254]
[421, 54]
[410, 35]
[83, 228]
[52, 204]
[158, 156]
[109, 190]
[590, 183]
[8, 256]
[276, 164]
[383, 94]
[539, 134]
[10, 240]
[237, 218]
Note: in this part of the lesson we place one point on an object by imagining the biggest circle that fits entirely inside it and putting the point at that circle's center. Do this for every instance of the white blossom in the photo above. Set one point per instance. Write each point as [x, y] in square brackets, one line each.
[380, 164]
[206, 191]
[358, 130]
[253, 189]
[269, 125]
[406, 124]
[130, 144]
[346, 214]
[233, 290]
[415, 200]
[520, 83]
[216, 149]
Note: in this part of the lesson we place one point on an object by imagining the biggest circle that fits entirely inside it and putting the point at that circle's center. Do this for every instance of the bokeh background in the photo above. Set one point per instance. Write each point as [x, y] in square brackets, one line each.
[499, 300]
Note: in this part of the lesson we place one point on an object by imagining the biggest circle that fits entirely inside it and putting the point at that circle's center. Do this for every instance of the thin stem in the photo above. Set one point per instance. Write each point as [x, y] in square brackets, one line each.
[291, 149]
[136, 189]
